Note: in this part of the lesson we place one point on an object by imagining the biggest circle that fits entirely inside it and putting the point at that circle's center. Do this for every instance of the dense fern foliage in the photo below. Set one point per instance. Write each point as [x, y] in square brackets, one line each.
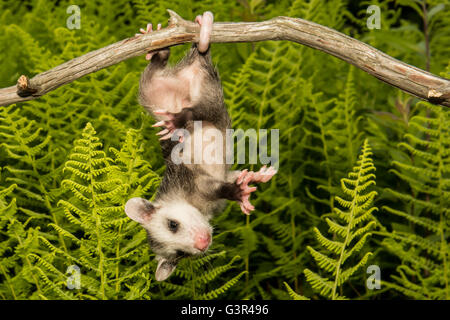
[364, 169]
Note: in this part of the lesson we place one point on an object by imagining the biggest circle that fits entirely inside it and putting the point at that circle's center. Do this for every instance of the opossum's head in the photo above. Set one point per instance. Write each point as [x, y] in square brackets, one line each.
[175, 230]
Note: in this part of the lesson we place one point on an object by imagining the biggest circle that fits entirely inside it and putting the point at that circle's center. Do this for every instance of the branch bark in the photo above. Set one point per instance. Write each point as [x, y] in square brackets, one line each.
[408, 78]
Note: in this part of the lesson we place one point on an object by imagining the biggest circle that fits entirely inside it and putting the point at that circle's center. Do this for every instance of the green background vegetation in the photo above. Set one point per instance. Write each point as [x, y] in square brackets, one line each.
[71, 159]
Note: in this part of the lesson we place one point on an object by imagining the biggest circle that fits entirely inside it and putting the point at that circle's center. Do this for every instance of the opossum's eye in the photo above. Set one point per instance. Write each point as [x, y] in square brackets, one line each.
[173, 225]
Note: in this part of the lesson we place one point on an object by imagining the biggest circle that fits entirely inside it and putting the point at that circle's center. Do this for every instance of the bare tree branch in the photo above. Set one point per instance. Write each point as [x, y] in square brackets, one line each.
[392, 71]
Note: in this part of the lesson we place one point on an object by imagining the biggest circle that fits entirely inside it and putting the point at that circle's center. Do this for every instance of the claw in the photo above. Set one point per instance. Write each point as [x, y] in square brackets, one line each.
[246, 206]
[244, 209]
[149, 28]
[247, 178]
[167, 136]
[162, 132]
[169, 130]
[241, 176]
[249, 190]
[264, 174]
[162, 112]
[159, 124]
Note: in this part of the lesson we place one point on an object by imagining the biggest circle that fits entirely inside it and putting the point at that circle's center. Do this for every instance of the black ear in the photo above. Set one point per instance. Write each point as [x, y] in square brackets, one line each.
[139, 210]
[165, 268]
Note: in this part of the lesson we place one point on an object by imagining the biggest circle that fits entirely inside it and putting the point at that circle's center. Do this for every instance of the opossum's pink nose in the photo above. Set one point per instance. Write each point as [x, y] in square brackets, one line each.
[202, 241]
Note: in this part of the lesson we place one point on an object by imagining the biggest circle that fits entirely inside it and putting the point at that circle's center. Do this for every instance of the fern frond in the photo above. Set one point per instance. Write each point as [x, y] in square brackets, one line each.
[423, 243]
[358, 210]
[222, 289]
[293, 294]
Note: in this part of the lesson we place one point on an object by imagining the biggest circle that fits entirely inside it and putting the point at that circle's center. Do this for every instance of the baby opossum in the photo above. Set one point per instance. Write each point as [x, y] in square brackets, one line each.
[177, 222]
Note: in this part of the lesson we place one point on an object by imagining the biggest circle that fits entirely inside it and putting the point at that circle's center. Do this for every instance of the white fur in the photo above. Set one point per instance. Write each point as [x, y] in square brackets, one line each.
[192, 77]
[184, 88]
[205, 148]
[191, 222]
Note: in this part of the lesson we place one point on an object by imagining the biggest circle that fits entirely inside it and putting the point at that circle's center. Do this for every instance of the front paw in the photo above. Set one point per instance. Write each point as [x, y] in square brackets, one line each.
[246, 177]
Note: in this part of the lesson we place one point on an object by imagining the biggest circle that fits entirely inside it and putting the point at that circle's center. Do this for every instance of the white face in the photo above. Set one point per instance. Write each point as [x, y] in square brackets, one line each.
[179, 227]
[175, 229]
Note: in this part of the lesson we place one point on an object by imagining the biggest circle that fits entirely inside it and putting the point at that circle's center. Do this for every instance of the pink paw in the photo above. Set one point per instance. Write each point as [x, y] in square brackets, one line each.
[264, 174]
[246, 177]
[149, 28]
[169, 125]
